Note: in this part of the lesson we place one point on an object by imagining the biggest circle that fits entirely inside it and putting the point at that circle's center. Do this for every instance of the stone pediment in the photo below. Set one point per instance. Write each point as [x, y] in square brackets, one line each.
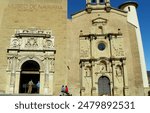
[99, 20]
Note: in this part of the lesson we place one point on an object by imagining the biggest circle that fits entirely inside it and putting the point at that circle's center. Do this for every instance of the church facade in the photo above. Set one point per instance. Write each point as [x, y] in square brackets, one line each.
[97, 52]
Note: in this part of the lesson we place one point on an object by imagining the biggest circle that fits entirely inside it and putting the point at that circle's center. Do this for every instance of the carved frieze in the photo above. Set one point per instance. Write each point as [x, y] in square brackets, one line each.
[32, 39]
[31, 42]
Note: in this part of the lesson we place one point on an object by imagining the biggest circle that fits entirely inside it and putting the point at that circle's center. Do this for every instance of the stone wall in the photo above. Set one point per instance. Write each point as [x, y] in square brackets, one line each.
[45, 14]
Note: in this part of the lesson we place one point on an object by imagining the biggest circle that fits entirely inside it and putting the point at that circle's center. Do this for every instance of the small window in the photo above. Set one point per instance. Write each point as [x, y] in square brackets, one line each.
[101, 1]
[101, 46]
[93, 1]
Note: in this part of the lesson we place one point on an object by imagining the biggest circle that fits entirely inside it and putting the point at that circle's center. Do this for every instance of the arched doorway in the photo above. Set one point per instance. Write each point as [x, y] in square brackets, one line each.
[30, 70]
[104, 86]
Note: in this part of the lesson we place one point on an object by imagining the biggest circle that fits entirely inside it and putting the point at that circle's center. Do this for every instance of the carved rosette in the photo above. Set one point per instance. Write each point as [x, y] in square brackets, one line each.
[49, 43]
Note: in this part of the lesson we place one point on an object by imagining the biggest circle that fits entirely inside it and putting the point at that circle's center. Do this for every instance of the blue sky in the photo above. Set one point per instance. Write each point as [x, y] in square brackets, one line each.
[143, 14]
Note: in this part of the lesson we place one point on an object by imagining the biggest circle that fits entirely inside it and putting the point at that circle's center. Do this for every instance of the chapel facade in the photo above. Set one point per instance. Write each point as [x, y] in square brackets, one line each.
[97, 52]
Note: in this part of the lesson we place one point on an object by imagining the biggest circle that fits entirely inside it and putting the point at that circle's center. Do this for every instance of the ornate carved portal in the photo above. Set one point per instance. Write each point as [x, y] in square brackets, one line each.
[31, 56]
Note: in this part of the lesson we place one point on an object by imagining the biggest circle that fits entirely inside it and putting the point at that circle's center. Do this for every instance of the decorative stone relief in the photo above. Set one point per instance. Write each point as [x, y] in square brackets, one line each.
[52, 64]
[31, 42]
[103, 67]
[14, 42]
[26, 45]
[84, 52]
[117, 47]
[9, 59]
[118, 71]
[49, 44]
[32, 38]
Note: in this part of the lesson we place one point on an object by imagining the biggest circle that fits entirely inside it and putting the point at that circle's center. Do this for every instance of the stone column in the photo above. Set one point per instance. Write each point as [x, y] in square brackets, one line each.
[125, 79]
[12, 76]
[113, 79]
[94, 87]
[82, 88]
[51, 76]
[42, 82]
[51, 83]
[46, 80]
[88, 81]
[17, 82]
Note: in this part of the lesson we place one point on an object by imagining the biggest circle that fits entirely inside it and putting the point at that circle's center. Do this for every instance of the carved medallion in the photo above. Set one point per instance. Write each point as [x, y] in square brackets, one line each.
[15, 43]
[49, 44]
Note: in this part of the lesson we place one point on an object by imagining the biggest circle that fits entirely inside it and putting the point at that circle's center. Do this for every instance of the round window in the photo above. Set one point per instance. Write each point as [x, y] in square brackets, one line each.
[101, 46]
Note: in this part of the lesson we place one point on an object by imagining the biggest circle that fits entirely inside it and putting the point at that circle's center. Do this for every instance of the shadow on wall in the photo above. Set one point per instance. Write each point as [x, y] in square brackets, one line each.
[148, 93]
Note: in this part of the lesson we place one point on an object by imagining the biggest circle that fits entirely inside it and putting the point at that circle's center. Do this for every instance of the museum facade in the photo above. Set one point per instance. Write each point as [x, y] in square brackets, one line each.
[97, 52]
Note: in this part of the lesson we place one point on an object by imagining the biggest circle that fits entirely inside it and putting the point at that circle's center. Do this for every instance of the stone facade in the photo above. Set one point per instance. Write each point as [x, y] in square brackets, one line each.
[94, 53]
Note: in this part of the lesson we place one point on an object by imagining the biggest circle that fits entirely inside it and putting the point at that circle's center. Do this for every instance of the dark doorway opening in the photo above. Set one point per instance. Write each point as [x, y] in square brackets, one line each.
[104, 86]
[29, 71]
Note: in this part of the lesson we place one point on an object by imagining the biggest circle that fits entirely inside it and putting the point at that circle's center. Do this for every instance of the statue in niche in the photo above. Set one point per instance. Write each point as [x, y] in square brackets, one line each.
[118, 71]
[102, 67]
